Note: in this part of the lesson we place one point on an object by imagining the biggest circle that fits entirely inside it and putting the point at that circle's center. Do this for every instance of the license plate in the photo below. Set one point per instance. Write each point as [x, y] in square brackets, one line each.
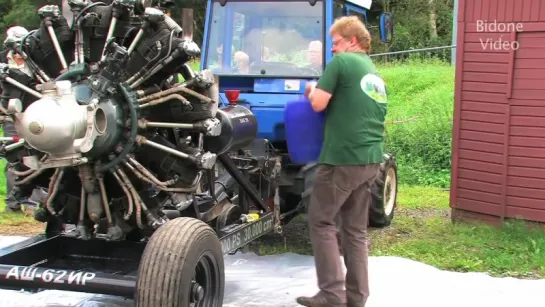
[247, 233]
[35, 274]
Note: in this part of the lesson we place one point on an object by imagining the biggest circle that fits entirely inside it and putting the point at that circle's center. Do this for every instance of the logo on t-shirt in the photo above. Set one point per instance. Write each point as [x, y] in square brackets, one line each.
[374, 87]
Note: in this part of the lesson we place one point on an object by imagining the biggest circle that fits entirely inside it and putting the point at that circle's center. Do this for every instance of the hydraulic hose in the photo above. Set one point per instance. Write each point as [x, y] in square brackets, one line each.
[78, 70]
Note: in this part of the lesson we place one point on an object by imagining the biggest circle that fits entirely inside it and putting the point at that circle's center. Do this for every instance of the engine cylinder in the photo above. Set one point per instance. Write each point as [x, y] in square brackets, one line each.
[238, 130]
[164, 165]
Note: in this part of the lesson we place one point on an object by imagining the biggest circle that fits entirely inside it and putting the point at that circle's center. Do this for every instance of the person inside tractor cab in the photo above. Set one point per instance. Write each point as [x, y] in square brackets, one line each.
[242, 62]
[315, 55]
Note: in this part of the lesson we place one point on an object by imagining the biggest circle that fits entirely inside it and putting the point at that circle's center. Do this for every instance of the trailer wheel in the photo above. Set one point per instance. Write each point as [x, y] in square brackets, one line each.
[182, 265]
[384, 194]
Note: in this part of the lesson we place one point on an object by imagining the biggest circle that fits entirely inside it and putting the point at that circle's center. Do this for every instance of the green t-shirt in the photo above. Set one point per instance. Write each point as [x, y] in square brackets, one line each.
[354, 123]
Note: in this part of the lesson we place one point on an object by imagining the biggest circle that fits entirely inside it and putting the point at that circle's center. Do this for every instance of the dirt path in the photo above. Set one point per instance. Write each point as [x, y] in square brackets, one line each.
[23, 229]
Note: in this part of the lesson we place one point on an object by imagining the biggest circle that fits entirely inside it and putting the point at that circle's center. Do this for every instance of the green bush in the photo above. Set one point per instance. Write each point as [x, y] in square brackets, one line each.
[419, 129]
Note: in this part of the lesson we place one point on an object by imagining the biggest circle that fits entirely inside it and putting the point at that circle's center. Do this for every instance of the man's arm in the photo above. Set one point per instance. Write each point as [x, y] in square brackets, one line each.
[319, 99]
[320, 94]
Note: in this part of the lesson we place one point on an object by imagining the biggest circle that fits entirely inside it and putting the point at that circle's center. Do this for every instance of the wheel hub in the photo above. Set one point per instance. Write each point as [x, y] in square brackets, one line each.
[197, 292]
[389, 191]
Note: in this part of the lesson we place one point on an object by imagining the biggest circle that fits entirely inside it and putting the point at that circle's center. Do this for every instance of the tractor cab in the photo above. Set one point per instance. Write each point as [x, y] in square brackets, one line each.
[265, 51]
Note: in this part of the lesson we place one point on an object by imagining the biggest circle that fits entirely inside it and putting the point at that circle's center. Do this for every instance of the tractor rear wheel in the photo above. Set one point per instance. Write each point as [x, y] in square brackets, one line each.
[182, 265]
[384, 194]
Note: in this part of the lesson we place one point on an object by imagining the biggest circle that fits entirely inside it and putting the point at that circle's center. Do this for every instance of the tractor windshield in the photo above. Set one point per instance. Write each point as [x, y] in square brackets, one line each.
[266, 38]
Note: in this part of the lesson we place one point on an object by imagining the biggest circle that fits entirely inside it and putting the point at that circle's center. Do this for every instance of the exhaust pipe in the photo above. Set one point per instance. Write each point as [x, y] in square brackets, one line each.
[120, 9]
[48, 14]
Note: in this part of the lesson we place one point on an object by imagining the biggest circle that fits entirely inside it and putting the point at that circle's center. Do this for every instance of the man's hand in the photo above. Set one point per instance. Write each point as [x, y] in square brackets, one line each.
[311, 85]
[319, 99]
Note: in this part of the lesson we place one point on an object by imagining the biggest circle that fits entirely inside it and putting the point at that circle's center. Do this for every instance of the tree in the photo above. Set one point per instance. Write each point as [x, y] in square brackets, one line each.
[19, 12]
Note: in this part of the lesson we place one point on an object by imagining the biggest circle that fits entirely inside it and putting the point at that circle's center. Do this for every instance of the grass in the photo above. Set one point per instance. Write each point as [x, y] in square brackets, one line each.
[18, 224]
[421, 95]
[514, 250]
[14, 223]
[422, 231]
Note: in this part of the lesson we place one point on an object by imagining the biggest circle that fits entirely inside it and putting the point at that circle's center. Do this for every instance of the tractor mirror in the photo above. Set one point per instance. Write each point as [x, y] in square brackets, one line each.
[386, 27]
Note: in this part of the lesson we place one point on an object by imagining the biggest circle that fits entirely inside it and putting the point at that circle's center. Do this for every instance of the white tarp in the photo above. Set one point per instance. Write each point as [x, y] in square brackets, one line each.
[253, 280]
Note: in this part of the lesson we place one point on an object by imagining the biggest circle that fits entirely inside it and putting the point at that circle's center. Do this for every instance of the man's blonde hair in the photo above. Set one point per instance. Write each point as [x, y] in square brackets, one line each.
[352, 26]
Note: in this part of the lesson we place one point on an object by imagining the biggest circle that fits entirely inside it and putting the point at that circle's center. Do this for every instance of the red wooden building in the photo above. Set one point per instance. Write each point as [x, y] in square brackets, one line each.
[498, 146]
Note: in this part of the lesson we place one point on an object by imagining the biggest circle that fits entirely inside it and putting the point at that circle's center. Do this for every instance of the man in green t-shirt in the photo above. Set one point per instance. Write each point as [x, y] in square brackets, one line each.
[354, 97]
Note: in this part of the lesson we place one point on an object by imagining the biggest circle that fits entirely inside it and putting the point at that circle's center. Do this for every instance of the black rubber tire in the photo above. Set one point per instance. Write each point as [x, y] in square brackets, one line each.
[378, 217]
[169, 261]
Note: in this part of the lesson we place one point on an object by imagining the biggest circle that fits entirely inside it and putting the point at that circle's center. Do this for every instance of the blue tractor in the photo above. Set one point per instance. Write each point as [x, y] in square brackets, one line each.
[263, 53]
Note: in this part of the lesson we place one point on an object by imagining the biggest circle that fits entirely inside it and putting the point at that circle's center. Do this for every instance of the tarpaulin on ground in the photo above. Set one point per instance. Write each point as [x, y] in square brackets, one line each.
[277, 280]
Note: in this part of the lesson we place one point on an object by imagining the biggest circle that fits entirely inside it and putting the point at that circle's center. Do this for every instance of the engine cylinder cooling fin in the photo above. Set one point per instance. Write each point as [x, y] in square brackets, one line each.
[92, 128]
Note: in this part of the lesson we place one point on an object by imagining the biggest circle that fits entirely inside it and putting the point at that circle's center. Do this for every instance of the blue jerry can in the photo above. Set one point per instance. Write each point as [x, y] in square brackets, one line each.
[304, 131]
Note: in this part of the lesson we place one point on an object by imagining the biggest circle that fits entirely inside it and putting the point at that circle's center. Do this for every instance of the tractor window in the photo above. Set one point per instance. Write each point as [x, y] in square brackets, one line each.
[338, 9]
[266, 38]
[361, 17]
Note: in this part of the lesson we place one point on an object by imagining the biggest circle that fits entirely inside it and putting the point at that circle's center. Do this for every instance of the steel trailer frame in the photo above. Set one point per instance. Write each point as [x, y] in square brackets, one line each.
[48, 263]
[110, 267]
